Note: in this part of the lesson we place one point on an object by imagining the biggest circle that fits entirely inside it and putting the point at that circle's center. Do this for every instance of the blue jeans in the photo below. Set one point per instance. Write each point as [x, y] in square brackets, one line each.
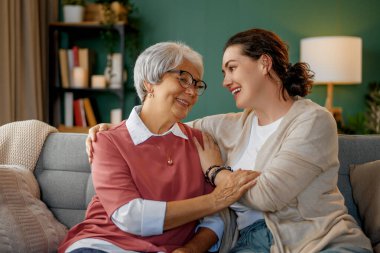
[255, 238]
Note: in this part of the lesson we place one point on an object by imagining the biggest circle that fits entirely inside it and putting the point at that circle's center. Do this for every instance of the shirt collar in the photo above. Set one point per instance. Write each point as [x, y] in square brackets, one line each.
[140, 133]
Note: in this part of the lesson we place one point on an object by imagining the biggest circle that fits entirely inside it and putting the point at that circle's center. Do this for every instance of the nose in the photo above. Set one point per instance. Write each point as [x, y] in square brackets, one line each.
[191, 90]
[227, 81]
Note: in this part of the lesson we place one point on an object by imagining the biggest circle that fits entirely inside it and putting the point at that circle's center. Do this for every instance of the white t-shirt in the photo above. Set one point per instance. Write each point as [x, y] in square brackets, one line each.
[258, 136]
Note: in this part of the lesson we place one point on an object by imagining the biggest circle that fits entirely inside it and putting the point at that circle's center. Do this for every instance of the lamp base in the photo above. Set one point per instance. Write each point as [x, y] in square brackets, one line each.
[335, 111]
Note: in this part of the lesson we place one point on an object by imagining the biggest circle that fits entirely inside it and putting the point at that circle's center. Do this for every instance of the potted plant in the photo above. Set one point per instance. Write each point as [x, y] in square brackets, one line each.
[73, 10]
[113, 11]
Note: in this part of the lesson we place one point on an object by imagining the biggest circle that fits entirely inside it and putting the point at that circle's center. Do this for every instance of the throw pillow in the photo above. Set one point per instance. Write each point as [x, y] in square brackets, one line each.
[365, 181]
[26, 223]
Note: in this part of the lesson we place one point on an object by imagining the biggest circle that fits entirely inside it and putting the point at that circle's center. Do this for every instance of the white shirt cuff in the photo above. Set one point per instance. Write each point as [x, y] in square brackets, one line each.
[141, 217]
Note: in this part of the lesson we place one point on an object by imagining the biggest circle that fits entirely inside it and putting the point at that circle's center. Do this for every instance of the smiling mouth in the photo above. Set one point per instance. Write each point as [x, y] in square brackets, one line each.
[183, 102]
[236, 91]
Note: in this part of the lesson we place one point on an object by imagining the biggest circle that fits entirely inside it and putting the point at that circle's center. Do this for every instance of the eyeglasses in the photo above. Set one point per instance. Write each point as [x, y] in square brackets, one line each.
[187, 80]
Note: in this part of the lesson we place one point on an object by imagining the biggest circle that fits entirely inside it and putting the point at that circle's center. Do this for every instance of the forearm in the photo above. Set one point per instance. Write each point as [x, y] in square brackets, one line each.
[184, 211]
[203, 240]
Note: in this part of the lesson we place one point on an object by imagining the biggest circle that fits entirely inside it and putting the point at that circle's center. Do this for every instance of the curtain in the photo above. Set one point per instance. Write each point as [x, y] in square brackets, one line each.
[23, 58]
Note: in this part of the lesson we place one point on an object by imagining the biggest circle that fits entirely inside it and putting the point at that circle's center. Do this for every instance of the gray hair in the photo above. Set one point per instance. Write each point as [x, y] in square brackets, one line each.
[156, 60]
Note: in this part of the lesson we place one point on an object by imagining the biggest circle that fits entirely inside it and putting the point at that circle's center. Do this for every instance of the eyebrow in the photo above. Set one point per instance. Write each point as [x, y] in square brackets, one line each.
[228, 62]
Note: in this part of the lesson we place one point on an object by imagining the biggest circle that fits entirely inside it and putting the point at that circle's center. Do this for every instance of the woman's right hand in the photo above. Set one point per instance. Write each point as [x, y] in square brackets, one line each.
[230, 186]
[91, 137]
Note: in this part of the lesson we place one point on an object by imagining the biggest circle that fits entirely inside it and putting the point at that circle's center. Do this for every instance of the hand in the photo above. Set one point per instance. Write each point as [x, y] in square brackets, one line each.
[91, 137]
[183, 250]
[230, 186]
[209, 155]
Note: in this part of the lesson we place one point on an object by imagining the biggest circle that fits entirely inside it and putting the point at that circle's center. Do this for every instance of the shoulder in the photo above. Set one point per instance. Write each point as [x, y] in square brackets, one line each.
[118, 132]
[305, 109]
[311, 119]
[210, 123]
[190, 132]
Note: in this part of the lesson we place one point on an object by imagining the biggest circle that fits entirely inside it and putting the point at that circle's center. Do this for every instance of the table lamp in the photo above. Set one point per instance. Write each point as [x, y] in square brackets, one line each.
[334, 60]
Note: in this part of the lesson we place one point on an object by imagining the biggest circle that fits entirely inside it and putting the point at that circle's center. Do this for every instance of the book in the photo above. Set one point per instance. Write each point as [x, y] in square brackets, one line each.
[76, 56]
[90, 116]
[70, 61]
[79, 114]
[69, 122]
[84, 62]
[64, 68]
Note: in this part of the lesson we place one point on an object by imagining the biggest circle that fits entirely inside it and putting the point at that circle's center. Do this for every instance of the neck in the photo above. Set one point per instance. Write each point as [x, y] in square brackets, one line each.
[156, 120]
[273, 109]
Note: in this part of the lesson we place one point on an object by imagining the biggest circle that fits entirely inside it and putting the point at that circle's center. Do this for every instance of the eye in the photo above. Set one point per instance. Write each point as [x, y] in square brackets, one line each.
[231, 68]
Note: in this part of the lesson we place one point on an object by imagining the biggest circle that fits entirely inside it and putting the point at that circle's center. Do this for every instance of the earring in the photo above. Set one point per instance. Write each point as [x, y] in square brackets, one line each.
[150, 95]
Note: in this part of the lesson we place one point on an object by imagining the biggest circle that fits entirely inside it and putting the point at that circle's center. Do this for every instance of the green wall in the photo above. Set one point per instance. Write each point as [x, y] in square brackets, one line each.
[205, 25]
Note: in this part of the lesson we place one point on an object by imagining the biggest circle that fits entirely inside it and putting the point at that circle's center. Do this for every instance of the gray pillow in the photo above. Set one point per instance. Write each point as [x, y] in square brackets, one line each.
[26, 223]
[365, 180]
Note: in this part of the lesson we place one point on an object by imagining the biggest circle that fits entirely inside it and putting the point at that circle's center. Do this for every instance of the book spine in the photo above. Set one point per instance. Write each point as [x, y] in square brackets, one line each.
[69, 109]
[89, 112]
[64, 68]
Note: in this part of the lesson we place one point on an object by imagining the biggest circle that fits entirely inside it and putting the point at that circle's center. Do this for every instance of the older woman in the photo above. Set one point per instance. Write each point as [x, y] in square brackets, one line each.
[150, 189]
[295, 205]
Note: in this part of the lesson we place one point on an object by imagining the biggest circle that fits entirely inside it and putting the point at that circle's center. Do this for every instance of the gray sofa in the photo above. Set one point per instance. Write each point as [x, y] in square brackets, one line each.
[64, 174]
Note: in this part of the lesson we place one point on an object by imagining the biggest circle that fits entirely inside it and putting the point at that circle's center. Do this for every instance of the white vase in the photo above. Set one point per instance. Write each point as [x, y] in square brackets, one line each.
[73, 13]
[113, 73]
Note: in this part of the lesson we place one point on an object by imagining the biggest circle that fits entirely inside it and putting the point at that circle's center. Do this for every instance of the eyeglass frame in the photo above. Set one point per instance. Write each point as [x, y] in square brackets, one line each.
[193, 83]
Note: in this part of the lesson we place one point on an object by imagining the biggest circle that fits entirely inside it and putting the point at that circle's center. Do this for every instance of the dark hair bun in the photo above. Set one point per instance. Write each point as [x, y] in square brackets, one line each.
[298, 79]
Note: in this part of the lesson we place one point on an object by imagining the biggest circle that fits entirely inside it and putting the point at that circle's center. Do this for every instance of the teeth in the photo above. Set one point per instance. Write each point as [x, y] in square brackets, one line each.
[236, 91]
[183, 101]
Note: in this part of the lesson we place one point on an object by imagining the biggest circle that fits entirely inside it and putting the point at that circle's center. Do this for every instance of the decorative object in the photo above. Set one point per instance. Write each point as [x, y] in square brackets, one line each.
[98, 81]
[114, 73]
[79, 77]
[334, 60]
[73, 11]
[116, 116]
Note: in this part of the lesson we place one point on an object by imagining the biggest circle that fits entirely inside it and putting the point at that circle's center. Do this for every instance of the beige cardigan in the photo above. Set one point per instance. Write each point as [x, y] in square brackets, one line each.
[297, 190]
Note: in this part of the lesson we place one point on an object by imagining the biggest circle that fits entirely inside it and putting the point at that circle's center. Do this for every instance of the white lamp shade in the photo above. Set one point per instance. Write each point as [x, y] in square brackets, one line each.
[335, 59]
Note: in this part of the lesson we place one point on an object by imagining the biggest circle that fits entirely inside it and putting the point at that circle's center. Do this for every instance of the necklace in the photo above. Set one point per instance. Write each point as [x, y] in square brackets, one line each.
[168, 157]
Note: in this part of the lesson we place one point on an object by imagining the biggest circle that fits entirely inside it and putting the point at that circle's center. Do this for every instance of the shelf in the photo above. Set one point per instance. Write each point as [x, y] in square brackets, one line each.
[65, 129]
[93, 24]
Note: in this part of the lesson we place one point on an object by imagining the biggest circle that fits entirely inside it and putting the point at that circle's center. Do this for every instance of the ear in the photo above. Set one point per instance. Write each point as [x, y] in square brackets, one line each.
[266, 63]
[148, 87]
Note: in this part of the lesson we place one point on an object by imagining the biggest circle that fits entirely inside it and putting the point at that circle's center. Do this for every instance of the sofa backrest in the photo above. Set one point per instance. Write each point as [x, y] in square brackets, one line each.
[64, 174]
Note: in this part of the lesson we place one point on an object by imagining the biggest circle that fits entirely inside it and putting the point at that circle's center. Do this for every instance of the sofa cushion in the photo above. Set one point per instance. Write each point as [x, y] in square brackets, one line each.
[365, 180]
[26, 223]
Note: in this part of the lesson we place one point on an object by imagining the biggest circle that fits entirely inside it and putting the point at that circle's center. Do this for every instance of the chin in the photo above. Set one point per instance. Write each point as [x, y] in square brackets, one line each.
[241, 105]
[180, 116]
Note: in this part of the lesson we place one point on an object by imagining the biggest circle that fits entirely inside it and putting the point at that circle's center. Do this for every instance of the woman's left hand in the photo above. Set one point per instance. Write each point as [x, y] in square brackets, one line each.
[209, 155]
[183, 250]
